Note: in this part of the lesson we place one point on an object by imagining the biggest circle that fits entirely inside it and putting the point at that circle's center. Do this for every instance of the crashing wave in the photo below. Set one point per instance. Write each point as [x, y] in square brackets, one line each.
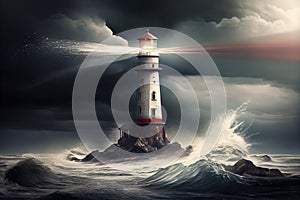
[208, 172]
[231, 145]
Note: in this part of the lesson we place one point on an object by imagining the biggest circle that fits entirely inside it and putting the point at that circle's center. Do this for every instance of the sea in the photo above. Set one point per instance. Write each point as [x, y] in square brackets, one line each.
[195, 176]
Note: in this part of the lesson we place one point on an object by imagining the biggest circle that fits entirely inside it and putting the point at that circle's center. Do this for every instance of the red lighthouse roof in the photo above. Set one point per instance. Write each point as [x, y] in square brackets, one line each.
[148, 36]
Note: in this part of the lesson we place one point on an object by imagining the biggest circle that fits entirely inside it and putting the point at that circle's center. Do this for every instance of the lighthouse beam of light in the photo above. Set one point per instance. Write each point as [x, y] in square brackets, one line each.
[270, 51]
[84, 48]
[287, 51]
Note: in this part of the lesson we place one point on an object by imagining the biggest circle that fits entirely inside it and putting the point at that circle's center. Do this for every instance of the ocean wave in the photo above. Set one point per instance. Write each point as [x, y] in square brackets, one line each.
[33, 173]
[207, 176]
[232, 145]
[126, 177]
[203, 175]
[30, 172]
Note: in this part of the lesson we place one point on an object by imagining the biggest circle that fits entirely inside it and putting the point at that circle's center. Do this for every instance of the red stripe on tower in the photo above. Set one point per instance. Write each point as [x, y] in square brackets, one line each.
[147, 120]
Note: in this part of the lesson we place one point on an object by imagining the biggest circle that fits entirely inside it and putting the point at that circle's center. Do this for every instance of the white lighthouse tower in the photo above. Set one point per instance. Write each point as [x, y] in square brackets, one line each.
[148, 110]
[148, 95]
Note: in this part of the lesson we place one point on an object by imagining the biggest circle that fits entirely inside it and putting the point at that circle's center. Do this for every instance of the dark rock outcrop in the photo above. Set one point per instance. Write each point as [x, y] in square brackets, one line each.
[128, 144]
[265, 158]
[246, 167]
[91, 157]
[144, 145]
[72, 158]
[188, 151]
[115, 154]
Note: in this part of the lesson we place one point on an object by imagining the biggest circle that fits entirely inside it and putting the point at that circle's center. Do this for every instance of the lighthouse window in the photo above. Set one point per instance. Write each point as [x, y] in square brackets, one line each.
[153, 96]
[140, 109]
[154, 43]
[152, 65]
[153, 112]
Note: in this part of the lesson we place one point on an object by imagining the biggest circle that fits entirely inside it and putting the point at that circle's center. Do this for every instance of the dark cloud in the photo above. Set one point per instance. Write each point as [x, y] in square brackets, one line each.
[81, 28]
[166, 13]
[204, 20]
[210, 21]
[21, 18]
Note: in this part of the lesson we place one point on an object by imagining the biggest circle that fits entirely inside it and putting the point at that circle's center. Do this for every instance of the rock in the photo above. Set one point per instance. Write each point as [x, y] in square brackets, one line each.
[116, 154]
[144, 145]
[188, 151]
[246, 167]
[91, 157]
[265, 158]
[128, 144]
[73, 158]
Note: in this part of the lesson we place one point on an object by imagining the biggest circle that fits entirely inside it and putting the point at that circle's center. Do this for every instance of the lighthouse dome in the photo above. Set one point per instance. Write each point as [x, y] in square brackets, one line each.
[148, 36]
[148, 41]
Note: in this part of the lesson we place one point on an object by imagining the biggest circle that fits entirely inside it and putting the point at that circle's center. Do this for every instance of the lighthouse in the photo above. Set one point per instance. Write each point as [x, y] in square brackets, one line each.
[148, 95]
[148, 107]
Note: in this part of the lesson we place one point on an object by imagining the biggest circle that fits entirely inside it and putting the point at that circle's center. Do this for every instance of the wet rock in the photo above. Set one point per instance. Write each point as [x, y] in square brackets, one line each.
[265, 158]
[188, 151]
[246, 167]
[128, 144]
[144, 145]
[91, 157]
[72, 158]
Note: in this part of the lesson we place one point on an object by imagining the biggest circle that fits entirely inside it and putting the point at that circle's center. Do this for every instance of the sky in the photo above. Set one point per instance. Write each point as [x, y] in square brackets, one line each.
[255, 45]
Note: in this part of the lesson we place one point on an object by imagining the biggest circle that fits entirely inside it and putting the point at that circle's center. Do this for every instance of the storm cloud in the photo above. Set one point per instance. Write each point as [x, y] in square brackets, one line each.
[251, 22]
[81, 28]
